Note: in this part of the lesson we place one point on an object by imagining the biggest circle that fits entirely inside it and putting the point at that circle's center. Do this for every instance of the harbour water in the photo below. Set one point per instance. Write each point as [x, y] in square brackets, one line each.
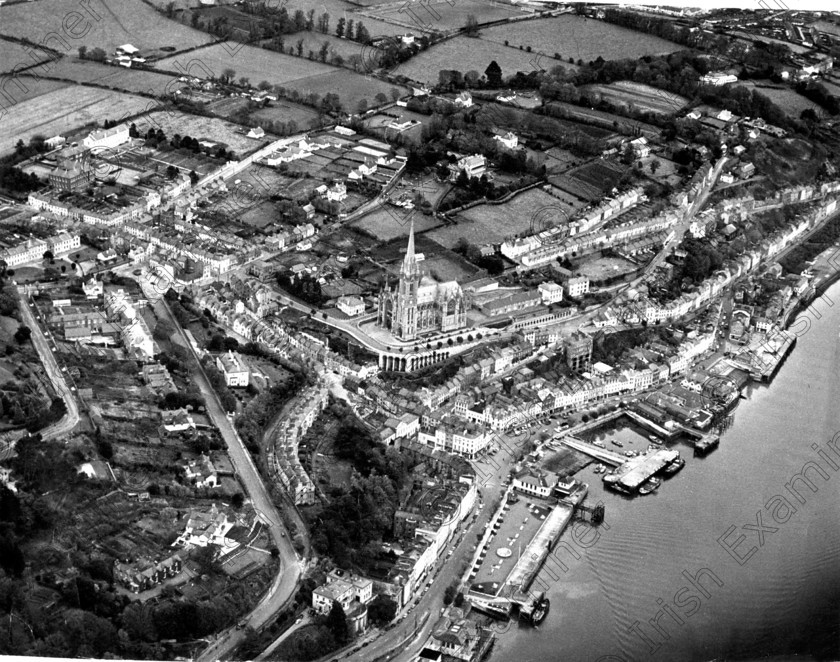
[723, 561]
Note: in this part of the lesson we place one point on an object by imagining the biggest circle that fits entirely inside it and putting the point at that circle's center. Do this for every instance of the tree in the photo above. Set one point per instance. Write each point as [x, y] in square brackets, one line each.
[362, 34]
[471, 28]
[381, 98]
[228, 74]
[23, 334]
[82, 52]
[494, 74]
[339, 28]
[193, 177]
[48, 255]
[362, 106]
[382, 610]
[395, 93]
[654, 166]
[337, 623]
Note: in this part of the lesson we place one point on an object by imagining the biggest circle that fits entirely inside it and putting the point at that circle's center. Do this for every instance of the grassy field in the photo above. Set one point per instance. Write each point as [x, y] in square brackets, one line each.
[642, 97]
[350, 87]
[389, 222]
[254, 63]
[202, 128]
[465, 54]
[491, 224]
[13, 57]
[286, 111]
[579, 38]
[103, 25]
[790, 101]
[65, 109]
[313, 41]
[442, 15]
[23, 88]
[128, 80]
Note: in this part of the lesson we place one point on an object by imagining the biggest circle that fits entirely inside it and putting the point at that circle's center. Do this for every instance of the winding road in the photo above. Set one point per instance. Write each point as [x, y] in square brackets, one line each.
[282, 590]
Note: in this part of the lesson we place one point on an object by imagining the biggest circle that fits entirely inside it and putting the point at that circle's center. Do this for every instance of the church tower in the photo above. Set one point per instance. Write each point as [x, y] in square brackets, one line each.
[405, 306]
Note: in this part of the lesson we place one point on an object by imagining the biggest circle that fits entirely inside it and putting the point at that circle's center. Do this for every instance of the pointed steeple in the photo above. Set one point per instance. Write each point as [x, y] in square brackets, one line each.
[410, 262]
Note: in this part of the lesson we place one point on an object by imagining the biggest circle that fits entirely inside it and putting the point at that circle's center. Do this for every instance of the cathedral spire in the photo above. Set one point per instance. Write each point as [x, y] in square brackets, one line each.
[410, 261]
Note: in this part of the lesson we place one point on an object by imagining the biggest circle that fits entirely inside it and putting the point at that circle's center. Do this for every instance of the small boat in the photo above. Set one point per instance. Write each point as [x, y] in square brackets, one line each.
[656, 440]
[630, 453]
[649, 486]
[674, 467]
[616, 442]
[598, 444]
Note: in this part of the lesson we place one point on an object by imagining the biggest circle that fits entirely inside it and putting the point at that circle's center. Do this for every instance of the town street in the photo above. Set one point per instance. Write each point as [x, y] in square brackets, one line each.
[285, 583]
[43, 347]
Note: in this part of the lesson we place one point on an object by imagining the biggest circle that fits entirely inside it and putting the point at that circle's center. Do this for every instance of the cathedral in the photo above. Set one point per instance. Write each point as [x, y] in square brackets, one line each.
[419, 304]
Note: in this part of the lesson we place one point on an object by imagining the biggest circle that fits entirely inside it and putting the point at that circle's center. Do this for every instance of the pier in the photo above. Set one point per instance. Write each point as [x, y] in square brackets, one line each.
[638, 469]
[514, 554]
[600, 454]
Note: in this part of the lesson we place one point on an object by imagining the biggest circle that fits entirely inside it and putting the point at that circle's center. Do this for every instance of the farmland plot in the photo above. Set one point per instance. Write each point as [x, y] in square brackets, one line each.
[643, 97]
[13, 57]
[202, 128]
[129, 80]
[443, 15]
[256, 64]
[22, 88]
[465, 54]
[65, 109]
[286, 111]
[56, 24]
[578, 38]
[350, 87]
[789, 100]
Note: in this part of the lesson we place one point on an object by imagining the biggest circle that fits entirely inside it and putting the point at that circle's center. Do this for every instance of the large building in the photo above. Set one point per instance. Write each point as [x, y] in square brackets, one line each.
[70, 176]
[419, 304]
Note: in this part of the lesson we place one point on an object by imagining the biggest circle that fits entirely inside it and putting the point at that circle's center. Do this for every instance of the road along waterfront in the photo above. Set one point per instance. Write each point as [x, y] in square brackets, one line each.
[736, 556]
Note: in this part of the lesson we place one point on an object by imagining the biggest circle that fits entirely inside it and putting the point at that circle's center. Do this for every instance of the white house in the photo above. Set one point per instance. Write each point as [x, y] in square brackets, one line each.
[464, 99]
[550, 292]
[535, 482]
[351, 306]
[717, 78]
[235, 370]
[509, 140]
[472, 166]
[578, 286]
[107, 138]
